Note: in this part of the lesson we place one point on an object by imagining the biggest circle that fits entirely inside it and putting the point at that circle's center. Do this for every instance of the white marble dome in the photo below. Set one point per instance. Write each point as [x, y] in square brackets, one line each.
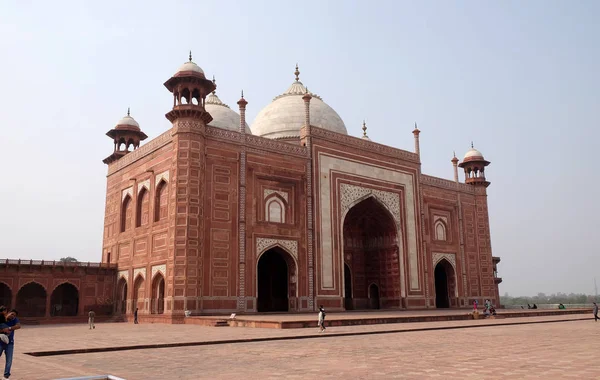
[284, 117]
[190, 66]
[223, 116]
[128, 121]
[472, 154]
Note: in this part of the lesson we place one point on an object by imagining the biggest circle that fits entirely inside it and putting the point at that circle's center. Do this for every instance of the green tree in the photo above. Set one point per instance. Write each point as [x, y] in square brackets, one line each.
[68, 259]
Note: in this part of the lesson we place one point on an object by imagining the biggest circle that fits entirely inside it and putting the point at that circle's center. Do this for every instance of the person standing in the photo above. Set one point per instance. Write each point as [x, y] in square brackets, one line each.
[10, 320]
[135, 321]
[321, 320]
[595, 312]
[91, 316]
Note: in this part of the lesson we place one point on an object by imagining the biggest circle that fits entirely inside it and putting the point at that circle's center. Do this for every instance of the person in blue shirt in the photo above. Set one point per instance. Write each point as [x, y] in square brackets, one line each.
[8, 324]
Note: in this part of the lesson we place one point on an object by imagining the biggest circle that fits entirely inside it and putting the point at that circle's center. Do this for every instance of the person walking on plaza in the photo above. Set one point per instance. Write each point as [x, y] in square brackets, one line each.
[9, 323]
[595, 312]
[91, 316]
[135, 321]
[321, 318]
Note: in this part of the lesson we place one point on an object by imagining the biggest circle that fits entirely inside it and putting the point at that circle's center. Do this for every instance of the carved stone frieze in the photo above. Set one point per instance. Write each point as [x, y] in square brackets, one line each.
[124, 274]
[351, 193]
[450, 257]
[262, 244]
[164, 175]
[126, 192]
[447, 184]
[282, 194]
[143, 184]
[159, 268]
[141, 152]
[141, 271]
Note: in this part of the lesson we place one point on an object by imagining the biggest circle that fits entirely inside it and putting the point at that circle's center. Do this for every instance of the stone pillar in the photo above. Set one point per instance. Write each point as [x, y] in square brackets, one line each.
[241, 304]
[48, 304]
[309, 204]
[416, 132]
[455, 167]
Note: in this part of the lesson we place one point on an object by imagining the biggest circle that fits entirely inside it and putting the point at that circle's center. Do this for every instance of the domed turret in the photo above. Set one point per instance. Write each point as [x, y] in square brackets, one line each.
[285, 116]
[474, 166]
[125, 134]
[222, 116]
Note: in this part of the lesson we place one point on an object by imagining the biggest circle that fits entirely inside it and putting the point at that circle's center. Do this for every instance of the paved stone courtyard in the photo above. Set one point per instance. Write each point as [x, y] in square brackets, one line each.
[531, 351]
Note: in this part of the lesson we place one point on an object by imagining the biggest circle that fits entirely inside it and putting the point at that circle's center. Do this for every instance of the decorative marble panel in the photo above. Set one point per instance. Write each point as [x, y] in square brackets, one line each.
[160, 268]
[164, 175]
[282, 194]
[126, 192]
[442, 218]
[124, 274]
[291, 246]
[141, 271]
[450, 257]
[350, 194]
[143, 184]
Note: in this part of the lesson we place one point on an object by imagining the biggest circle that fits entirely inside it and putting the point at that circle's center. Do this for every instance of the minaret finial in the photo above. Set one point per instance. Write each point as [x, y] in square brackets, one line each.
[242, 94]
[190, 56]
[454, 153]
[364, 128]
[214, 92]
[472, 145]
[127, 111]
[297, 73]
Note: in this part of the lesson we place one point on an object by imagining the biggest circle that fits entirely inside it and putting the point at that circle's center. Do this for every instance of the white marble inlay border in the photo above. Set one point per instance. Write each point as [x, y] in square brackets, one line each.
[329, 163]
[159, 268]
[282, 194]
[164, 175]
[437, 257]
[262, 244]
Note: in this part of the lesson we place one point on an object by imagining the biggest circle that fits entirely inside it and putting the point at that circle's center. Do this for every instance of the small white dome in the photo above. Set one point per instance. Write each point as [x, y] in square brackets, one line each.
[190, 66]
[128, 120]
[223, 116]
[285, 116]
[473, 153]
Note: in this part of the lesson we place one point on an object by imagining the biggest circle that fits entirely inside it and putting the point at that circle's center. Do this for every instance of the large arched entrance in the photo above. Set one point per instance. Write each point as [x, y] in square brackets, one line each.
[158, 294]
[5, 295]
[138, 294]
[31, 300]
[122, 295]
[276, 280]
[445, 285]
[64, 300]
[371, 257]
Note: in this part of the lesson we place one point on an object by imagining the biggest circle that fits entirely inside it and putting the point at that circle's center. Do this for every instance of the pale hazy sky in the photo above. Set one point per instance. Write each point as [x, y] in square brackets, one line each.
[520, 79]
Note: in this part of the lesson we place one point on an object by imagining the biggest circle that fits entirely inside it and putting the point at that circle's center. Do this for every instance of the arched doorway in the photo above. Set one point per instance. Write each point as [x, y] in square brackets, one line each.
[122, 295]
[371, 257]
[348, 288]
[445, 284]
[374, 296]
[158, 294]
[31, 300]
[138, 294]
[64, 300]
[276, 280]
[5, 295]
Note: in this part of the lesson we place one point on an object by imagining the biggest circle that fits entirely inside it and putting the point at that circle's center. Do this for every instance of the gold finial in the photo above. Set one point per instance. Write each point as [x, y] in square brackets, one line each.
[190, 56]
[364, 128]
[214, 92]
[127, 111]
[297, 73]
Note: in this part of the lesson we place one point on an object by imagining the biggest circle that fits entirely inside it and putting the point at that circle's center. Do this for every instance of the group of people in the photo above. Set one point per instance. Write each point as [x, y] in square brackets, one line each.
[8, 324]
[489, 309]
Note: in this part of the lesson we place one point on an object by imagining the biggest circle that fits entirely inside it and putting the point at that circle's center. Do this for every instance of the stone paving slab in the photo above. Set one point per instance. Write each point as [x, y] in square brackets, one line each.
[414, 354]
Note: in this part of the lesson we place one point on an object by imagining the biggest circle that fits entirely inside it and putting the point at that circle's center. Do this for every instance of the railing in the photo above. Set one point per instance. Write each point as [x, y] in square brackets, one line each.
[57, 263]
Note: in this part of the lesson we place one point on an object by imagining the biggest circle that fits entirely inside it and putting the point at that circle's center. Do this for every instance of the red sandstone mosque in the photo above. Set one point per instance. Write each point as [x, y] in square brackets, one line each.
[214, 216]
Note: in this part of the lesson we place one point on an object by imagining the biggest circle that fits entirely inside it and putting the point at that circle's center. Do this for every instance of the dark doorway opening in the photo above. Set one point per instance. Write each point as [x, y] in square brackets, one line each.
[373, 296]
[442, 300]
[371, 256]
[65, 300]
[31, 300]
[273, 281]
[348, 288]
[122, 296]
[158, 295]
[5, 295]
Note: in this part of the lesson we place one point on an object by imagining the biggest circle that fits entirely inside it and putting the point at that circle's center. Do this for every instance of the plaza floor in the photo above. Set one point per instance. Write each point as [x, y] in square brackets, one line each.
[517, 348]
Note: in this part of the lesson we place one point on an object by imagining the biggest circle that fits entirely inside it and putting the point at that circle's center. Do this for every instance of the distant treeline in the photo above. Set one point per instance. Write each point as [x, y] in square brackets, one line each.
[542, 298]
